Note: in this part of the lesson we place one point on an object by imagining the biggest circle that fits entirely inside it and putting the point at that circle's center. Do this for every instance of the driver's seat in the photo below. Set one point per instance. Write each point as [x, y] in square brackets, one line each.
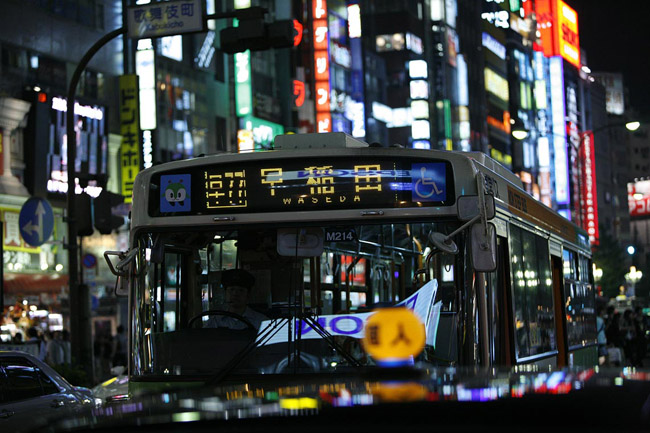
[198, 351]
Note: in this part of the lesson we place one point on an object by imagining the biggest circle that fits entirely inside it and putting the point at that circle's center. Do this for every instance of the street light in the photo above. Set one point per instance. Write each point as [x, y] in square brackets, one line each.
[632, 278]
[598, 274]
[518, 130]
[633, 126]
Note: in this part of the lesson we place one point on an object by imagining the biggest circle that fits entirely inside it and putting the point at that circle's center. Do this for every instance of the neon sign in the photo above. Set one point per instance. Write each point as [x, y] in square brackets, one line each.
[321, 66]
[559, 131]
[558, 26]
[589, 196]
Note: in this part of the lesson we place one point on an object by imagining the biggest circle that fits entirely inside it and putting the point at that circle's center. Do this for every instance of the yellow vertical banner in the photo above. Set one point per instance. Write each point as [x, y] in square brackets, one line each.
[130, 130]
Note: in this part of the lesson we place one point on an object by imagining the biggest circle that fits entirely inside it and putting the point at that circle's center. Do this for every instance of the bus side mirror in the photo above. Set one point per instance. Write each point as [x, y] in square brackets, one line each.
[484, 247]
[122, 287]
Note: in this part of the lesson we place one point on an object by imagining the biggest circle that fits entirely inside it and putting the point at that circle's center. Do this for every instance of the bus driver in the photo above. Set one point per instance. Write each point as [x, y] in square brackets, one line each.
[238, 284]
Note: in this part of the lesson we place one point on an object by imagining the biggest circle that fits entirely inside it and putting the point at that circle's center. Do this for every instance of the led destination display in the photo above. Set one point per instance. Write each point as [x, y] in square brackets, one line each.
[293, 185]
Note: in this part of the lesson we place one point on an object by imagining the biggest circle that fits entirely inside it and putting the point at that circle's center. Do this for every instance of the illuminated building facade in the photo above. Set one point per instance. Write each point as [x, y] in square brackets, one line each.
[34, 74]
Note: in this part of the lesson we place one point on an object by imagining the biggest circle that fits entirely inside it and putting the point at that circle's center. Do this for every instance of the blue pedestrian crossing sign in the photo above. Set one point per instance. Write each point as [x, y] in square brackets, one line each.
[36, 221]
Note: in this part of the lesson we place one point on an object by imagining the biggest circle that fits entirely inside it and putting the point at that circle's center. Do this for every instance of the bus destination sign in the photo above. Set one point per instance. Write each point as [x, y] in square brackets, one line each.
[294, 185]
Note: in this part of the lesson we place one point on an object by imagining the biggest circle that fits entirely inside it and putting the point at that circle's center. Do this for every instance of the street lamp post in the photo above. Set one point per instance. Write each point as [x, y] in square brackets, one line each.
[633, 277]
[598, 274]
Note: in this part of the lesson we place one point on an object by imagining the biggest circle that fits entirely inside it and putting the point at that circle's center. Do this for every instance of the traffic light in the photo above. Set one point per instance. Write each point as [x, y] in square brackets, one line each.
[83, 214]
[105, 221]
[254, 34]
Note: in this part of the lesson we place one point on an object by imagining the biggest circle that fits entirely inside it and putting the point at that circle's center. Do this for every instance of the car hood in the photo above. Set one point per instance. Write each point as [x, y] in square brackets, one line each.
[448, 398]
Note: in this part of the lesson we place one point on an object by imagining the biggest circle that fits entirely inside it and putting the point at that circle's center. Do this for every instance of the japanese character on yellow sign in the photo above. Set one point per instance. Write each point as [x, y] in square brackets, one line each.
[394, 334]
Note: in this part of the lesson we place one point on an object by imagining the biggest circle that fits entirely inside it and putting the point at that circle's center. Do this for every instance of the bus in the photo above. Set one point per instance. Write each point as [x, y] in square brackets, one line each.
[330, 228]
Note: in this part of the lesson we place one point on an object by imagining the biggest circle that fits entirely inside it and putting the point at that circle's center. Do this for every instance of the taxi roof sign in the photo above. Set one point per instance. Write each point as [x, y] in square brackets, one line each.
[394, 335]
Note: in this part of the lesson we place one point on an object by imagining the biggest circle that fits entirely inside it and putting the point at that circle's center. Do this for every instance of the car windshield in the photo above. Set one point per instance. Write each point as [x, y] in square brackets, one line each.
[241, 301]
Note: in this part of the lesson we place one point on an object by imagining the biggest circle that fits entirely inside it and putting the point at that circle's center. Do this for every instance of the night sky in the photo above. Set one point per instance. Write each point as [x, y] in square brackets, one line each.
[616, 37]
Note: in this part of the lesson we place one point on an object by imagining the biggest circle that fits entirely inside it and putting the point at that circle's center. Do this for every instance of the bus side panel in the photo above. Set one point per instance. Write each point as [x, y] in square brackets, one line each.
[560, 316]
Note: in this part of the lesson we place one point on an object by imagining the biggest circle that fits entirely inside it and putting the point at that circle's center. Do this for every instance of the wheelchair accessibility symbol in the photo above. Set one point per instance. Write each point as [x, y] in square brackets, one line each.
[428, 181]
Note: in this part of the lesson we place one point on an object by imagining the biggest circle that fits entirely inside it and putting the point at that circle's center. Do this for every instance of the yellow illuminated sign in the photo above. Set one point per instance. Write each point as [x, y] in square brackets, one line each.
[331, 184]
[364, 182]
[130, 130]
[567, 33]
[394, 334]
[12, 240]
[225, 190]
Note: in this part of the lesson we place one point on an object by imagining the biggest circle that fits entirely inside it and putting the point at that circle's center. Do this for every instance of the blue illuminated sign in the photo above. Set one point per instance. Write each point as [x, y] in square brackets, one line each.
[428, 181]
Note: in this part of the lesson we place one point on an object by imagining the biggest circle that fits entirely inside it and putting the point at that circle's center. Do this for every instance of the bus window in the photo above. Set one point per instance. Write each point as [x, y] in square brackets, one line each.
[366, 266]
[579, 300]
[532, 294]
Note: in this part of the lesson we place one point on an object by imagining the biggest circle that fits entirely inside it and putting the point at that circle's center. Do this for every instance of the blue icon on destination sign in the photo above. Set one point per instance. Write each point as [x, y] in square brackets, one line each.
[428, 181]
[175, 193]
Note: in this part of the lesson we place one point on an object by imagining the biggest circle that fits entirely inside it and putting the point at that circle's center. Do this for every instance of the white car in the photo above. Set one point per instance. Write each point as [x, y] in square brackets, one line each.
[31, 393]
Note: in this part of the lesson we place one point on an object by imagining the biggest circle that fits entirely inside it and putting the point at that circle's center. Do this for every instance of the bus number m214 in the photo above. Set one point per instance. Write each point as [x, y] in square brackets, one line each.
[339, 235]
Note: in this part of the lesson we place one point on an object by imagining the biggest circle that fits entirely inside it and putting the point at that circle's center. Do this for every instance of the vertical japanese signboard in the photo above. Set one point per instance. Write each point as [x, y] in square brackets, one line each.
[130, 130]
[243, 82]
[321, 66]
[589, 200]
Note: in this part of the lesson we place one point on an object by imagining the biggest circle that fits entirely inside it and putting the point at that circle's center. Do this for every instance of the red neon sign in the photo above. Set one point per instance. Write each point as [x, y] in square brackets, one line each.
[589, 200]
[321, 66]
[638, 198]
[299, 92]
[558, 26]
[297, 26]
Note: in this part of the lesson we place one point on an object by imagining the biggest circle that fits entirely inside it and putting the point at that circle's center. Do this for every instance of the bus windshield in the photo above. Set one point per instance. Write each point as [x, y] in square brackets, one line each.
[239, 300]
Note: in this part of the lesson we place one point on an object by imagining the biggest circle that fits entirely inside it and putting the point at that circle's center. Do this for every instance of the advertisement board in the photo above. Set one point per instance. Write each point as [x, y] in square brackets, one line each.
[589, 198]
[558, 26]
[638, 198]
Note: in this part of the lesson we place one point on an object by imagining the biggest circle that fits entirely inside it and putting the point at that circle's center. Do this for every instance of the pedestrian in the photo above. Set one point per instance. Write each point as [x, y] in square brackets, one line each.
[120, 343]
[18, 338]
[640, 330]
[614, 337]
[629, 337]
[38, 346]
[54, 352]
[601, 337]
[65, 342]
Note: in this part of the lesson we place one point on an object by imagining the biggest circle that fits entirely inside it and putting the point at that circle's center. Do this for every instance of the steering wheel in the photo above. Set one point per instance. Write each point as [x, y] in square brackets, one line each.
[310, 361]
[239, 317]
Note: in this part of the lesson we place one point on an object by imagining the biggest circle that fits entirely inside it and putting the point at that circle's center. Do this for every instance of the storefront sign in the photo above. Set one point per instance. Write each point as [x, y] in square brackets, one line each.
[638, 198]
[12, 241]
[257, 134]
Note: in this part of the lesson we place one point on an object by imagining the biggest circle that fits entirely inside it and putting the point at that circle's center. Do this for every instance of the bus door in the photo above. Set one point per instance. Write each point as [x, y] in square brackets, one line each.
[560, 316]
[500, 312]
